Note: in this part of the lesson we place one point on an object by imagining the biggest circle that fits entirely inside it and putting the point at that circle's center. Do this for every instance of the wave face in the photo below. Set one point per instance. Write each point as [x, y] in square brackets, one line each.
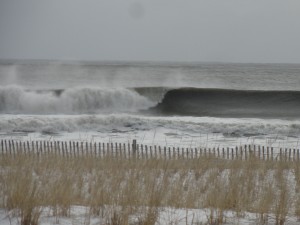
[230, 103]
[17, 100]
[158, 100]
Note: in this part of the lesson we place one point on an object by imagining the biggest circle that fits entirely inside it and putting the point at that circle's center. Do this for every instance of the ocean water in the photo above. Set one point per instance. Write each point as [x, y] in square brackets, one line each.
[173, 104]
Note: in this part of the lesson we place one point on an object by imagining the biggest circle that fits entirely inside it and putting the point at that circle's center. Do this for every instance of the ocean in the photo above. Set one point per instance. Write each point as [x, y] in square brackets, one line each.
[168, 104]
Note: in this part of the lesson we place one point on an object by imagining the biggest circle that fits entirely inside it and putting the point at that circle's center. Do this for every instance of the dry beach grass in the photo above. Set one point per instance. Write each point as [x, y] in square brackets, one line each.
[118, 189]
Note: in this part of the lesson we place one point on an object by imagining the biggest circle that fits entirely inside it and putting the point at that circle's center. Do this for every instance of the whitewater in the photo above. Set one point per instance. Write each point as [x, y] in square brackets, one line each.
[174, 104]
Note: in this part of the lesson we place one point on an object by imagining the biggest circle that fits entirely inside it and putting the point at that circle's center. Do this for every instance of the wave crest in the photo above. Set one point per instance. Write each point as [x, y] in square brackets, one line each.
[230, 103]
[78, 100]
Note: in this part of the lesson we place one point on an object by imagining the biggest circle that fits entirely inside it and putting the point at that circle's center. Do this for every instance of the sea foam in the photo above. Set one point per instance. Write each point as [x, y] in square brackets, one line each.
[78, 100]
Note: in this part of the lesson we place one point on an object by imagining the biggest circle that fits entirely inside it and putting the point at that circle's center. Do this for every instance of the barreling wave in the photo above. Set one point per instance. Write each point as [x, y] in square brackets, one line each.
[152, 100]
[17, 100]
[230, 103]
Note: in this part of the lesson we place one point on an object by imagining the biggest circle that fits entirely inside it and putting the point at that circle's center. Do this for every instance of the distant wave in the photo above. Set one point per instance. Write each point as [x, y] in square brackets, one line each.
[230, 103]
[78, 100]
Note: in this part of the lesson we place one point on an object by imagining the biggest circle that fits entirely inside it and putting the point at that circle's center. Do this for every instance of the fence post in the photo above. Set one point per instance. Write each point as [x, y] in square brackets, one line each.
[272, 153]
[9, 145]
[134, 147]
[75, 148]
[13, 146]
[120, 150]
[116, 150]
[112, 149]
[228, 153]
[18, 148]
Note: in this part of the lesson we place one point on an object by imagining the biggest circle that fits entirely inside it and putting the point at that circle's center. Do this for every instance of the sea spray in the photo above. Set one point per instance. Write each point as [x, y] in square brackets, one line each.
[78, 100]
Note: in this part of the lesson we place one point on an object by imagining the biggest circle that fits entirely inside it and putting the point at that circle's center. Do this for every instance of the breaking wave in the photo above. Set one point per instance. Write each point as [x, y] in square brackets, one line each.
[17, 100]
[159, 101]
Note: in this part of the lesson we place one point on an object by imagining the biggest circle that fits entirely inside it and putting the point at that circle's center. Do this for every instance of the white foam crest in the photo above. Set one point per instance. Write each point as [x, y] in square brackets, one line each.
[14, 99]
[129, 123]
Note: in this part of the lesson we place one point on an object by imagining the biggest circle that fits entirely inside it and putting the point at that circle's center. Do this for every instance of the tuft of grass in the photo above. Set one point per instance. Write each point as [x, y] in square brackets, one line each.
[117, 190]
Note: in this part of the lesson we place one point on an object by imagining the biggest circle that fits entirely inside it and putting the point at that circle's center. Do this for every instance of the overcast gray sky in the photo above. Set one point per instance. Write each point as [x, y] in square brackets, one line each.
[155, 30]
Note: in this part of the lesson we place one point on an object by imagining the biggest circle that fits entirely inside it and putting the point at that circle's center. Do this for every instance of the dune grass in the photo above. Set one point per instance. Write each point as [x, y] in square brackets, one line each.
[114, 189]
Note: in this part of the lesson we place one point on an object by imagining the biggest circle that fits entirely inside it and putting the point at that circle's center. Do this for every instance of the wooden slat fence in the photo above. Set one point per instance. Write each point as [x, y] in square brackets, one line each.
[129, 150]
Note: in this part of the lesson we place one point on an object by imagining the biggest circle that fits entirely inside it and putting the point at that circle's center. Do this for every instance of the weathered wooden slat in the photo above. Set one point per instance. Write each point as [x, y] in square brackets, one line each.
[70, 149]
